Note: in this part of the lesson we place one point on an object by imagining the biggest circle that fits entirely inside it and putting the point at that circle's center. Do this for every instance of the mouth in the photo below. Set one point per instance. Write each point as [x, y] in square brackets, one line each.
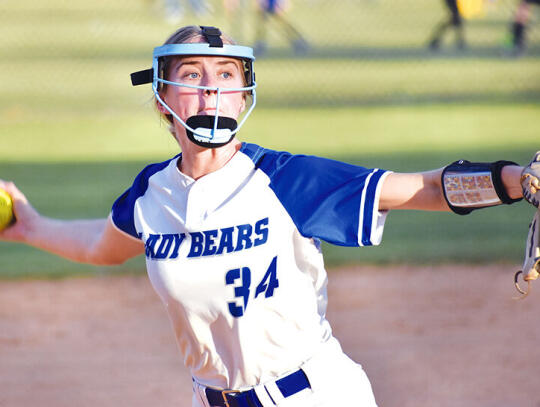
[207, 112]
[210, 111]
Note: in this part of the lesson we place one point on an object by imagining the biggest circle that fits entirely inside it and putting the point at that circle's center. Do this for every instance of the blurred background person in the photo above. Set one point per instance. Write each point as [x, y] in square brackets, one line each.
[454, 21]
[519, 27]
[275, 10]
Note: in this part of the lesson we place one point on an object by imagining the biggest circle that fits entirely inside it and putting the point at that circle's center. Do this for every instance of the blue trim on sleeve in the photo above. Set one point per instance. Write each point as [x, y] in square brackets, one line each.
[123, 207]
[323, 197]
[369, 202]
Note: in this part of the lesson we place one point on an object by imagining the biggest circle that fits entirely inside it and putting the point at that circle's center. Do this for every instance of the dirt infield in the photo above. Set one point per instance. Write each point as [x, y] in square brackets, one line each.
[450, 336]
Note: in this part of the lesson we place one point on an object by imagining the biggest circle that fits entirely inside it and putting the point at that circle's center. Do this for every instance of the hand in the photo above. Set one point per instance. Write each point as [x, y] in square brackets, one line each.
[530, 181]
[25, 215]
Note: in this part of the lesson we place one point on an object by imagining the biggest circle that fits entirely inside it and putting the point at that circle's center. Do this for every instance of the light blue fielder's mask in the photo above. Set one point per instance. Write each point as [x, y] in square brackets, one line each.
[206, 131]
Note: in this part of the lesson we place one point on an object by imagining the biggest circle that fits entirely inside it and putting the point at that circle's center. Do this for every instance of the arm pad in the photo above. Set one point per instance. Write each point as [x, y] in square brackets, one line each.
[468, 186]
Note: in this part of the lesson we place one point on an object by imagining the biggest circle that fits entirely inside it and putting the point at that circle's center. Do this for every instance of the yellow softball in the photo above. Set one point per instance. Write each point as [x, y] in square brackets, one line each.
[6, 209]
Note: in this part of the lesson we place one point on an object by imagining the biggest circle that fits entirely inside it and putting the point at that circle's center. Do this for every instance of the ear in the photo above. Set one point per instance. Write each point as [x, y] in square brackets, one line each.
[242, 105]
[161, 108]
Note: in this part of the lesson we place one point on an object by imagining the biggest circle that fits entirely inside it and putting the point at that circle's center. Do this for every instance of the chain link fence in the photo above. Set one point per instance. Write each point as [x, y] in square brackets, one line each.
[77, 55]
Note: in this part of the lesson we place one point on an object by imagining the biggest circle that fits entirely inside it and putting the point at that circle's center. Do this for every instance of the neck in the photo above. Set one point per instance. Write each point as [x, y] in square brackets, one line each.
[199, 161]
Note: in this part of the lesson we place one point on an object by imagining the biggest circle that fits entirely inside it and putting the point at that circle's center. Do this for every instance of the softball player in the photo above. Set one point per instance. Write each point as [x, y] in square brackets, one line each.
[231, 233]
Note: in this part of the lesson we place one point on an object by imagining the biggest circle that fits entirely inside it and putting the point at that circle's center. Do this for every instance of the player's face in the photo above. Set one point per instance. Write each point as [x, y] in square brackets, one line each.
[215, 72]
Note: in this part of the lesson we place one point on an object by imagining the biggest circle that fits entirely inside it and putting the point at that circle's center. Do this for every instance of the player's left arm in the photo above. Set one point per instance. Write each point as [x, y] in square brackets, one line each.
[424, 191]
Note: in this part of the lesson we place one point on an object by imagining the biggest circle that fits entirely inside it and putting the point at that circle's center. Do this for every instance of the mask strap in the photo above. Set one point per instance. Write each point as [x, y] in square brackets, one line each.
[142, 77]
[212, 36]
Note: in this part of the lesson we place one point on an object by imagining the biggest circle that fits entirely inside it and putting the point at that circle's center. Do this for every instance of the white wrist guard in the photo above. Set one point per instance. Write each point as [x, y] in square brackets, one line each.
[468, 186]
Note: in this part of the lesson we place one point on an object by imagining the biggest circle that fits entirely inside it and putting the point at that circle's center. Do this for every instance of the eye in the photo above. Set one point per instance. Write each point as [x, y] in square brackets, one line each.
[226, 75]
[189, 76]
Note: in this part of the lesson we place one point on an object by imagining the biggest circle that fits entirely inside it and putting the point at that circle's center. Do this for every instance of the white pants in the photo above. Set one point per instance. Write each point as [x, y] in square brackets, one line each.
[335, 380]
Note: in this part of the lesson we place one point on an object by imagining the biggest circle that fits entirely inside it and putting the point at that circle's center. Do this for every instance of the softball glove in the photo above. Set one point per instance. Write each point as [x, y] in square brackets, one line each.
[530, 181]
[531, 264]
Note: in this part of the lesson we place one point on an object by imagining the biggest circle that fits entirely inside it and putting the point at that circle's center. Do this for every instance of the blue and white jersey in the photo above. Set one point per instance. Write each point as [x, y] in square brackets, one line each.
[236, 259]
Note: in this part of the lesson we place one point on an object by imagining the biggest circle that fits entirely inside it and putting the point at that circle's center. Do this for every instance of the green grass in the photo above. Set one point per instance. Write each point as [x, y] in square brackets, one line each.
[74, 133]
[82, 178]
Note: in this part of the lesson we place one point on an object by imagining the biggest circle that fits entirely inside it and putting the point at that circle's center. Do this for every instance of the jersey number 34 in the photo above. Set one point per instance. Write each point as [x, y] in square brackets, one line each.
[267, 285]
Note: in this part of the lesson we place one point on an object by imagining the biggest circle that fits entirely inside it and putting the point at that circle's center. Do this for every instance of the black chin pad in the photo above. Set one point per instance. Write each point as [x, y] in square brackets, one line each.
[208, 122]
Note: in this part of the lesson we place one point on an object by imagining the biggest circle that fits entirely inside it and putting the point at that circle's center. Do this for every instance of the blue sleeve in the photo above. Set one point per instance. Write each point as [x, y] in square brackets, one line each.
[123, 207]
[327, 199]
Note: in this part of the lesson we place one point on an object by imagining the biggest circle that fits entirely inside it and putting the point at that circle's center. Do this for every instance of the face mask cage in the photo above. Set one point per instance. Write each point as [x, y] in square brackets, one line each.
[155, 75]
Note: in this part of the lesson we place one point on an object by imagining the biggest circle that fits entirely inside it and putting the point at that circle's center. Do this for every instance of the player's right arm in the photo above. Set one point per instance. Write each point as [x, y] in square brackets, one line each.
[95, 241]
[424, 190]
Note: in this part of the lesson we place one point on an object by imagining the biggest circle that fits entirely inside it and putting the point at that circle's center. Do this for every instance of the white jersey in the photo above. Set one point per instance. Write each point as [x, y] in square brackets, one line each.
[236, 259]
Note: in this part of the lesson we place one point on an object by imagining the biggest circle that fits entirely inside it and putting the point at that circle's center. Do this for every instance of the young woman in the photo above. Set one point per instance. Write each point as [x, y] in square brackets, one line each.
[231, 230]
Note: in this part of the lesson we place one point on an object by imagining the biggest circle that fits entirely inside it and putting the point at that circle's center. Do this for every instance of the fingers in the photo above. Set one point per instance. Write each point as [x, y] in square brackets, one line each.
[13, 191]
[17, 197]
[25, 215]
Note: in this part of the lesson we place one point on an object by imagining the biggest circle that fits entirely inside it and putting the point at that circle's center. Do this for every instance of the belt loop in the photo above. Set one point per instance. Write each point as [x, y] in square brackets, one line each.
[274, 392]
[264, 397]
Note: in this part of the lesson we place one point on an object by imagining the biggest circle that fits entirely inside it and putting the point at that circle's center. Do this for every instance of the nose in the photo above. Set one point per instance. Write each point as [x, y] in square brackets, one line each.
[211, 83]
